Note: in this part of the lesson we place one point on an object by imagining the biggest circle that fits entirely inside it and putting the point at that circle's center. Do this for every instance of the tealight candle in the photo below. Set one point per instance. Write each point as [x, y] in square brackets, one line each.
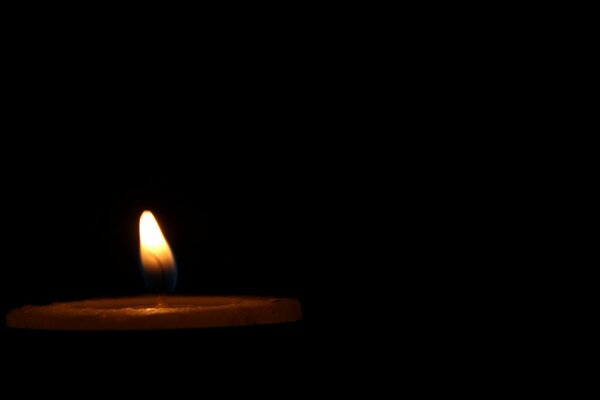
[156, 312]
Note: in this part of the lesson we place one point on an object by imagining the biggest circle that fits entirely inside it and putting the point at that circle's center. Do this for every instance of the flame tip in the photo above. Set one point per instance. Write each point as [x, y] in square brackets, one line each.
[156, 256]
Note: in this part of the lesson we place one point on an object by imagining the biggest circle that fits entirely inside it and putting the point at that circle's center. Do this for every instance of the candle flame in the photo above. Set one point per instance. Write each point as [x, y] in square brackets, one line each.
[158, 263]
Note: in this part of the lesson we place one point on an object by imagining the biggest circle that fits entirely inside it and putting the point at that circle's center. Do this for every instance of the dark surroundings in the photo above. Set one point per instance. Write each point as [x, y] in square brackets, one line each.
[241, 222]
[74, 233]
[251, 150]
[272, 171]
[360, 169]
[238, 189]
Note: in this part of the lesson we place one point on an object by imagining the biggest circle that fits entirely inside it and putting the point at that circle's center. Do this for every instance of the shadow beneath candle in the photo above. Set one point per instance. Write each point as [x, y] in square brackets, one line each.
[259, 342]
[168, 357]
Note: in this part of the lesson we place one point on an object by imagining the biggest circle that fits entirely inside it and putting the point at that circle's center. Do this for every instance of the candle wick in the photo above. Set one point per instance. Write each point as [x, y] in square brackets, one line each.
[162, 297]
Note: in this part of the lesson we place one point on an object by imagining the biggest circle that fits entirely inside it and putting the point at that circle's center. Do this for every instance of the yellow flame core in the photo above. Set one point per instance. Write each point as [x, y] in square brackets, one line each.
[154, 250]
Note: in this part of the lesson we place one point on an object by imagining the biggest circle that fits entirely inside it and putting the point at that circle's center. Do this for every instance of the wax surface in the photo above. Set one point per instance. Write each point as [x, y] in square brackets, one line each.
[138, 313]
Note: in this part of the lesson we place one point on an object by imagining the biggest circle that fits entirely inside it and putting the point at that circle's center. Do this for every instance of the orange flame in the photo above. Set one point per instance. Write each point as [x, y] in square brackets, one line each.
[156, 255]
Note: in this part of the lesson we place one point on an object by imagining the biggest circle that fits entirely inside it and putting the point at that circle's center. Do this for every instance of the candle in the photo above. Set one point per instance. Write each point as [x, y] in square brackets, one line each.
[133, 313]
[159, 311]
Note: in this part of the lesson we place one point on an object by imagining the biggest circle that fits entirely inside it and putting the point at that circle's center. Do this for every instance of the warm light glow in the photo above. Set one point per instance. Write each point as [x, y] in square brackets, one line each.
[156, 256]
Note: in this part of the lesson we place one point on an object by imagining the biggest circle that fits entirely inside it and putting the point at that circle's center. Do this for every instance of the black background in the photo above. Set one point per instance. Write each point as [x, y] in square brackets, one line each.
[247, 223]
[229, 154]
[245, 150]
[270, 165]
[245, 210]
[74, 233]
[268, 152]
